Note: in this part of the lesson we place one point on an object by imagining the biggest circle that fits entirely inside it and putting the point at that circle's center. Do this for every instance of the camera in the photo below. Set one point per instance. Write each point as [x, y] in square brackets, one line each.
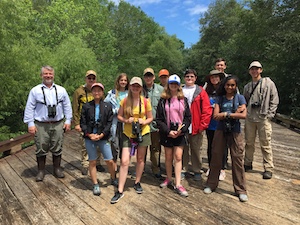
[136, 130]
[228, 126]
[51, 111]
[174, 126]
[255, 105]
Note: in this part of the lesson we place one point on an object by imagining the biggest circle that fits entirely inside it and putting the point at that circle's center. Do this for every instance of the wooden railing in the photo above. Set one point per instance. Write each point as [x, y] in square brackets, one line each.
[287, 121]
[15, 144]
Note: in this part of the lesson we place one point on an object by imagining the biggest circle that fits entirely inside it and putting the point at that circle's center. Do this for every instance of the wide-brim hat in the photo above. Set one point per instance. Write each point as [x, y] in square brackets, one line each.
[215, 72]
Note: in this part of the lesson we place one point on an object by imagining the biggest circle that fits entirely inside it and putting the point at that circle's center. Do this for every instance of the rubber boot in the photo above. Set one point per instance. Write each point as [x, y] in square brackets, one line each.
[57, 170]
[41, 161]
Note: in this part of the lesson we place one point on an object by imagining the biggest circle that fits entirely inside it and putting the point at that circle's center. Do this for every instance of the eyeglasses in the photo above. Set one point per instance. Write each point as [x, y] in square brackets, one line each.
[91, 78]
[189, 76]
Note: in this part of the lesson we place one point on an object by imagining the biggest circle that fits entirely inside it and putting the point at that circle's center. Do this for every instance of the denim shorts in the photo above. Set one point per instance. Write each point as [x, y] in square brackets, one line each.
[104, 146]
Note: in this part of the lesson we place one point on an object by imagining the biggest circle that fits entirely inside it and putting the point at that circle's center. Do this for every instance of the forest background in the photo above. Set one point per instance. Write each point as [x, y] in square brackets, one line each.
[74, 36]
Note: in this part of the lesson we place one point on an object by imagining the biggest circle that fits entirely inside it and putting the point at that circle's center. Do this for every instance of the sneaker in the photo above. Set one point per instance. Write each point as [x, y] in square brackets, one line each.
[100, 168]
[248, 168]
[96, 190]
[197, 176]
[84, 171]
[116, 197]
[114, 182]
[207, 190]
[158, 176]
[267, 175]
[243, 197]
[222, 175]
[207, 172]
[182, 175]
[166, 183]
[138, 188]
[181, 190]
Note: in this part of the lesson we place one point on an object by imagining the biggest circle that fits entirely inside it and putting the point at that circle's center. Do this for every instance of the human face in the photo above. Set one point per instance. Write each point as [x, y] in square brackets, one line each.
[90, 80]
[214, 79]
[190, 79]
[173, 87]
[255, 73]
[135, 88]
[48, 77]
[97, 93]
[220, 66]
[149, 79]
[230, 86]
[163, 80]
[123, 82]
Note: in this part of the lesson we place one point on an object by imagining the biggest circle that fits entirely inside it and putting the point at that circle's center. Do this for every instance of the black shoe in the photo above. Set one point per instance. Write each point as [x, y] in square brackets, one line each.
[116, 197]
[138, 188]
[158, 176]
[267, 175]
[248, 168]
[114, 182]
[84, 171]
[100, 168]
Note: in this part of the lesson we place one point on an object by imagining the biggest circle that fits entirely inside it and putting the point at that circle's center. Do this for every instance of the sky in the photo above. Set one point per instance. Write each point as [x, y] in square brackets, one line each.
[178, 17]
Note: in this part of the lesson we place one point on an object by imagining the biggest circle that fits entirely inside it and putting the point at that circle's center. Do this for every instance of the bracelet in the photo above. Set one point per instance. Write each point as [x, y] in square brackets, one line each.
[228, 115]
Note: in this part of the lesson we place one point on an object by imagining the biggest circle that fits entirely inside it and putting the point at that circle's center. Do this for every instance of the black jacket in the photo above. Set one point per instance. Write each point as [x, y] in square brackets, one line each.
[87, 119]
[161, 118]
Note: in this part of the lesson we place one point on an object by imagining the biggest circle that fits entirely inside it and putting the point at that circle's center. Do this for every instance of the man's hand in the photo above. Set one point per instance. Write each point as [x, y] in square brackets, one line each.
[78, 128]
[32, 130]
[67, 127]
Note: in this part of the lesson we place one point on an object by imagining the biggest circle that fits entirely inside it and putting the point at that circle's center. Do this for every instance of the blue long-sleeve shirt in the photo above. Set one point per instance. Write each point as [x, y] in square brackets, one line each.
[36, 107]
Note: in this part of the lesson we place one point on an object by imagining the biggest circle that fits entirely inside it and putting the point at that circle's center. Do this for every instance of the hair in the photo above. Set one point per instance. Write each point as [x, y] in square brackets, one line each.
[129, 104]
[220, 60]
[210, 87]
[166, 94]
[47, 67]
[117, 85]
[221, 90]
[192, 71]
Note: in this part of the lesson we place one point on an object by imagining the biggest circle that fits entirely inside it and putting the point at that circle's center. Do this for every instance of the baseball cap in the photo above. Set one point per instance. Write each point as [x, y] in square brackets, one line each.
[148, 70]
[174, 79]
[98, 85]
[215, 72]
[163, 72]
[256, 64]
[90, 72]
[136, 80]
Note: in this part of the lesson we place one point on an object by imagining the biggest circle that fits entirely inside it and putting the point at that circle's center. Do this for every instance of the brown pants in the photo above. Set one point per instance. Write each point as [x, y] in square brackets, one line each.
[235, 143]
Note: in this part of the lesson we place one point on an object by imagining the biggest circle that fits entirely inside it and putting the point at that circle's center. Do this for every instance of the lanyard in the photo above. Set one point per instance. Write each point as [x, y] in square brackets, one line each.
[45, 96]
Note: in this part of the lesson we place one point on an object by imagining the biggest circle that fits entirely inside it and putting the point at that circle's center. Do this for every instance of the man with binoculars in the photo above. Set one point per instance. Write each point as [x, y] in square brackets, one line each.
[48, 114]
[262, 101]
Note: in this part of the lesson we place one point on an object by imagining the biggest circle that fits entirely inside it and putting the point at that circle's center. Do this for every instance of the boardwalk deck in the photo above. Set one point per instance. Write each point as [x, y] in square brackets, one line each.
[70, 200]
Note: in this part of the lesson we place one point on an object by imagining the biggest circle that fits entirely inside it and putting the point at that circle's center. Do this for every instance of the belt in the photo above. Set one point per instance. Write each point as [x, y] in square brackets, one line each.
[49, 122]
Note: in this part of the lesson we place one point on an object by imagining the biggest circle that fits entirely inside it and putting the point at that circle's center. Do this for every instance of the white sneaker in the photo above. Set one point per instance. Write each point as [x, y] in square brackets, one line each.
[222, 175]
[207, 172]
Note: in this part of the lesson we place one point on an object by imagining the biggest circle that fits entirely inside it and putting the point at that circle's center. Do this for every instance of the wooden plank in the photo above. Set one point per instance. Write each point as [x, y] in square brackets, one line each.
[8, 144]
[11, 211]
[35, 211]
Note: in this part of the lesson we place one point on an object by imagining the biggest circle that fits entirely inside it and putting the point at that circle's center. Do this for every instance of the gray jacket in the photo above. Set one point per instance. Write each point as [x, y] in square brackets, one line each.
[265, 94]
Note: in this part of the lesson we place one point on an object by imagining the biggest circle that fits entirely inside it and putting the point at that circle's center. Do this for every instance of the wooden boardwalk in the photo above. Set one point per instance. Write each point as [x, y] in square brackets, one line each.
[70, 200]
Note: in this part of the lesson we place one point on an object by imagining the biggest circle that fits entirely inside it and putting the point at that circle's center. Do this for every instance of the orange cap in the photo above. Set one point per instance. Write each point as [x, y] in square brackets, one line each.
[163, 72]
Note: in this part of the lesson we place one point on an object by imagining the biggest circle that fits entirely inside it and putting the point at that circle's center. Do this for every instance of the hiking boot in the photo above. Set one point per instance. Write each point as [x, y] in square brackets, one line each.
[197, 177]
[41, 161]
[243, 197]
[100, 168]
[166, 183]
[207, 190]
[116, 197]
[181, 190]
[138, 188]
[84, 171]
[222, 175]
[114, 182]
[267, 175]
[248, 168]
[96, 190]
[57, 170]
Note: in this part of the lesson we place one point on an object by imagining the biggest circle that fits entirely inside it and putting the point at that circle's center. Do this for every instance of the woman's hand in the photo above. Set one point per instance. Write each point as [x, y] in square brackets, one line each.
[129, 120]
[141, 121]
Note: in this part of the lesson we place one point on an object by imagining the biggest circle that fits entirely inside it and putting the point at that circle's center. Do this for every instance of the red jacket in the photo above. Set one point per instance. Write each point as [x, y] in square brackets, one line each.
[201, 110]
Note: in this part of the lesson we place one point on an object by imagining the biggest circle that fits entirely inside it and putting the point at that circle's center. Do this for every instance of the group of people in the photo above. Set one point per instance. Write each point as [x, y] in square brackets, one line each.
[136, 115]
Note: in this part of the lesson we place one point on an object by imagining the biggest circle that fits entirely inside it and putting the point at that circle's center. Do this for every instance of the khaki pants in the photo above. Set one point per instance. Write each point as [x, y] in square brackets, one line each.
[264, 130]
[194, 145]
[155, 152]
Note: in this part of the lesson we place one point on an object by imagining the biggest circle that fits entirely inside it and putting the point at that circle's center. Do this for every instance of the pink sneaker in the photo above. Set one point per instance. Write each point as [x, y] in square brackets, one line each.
[181, 190]
[166, 183]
